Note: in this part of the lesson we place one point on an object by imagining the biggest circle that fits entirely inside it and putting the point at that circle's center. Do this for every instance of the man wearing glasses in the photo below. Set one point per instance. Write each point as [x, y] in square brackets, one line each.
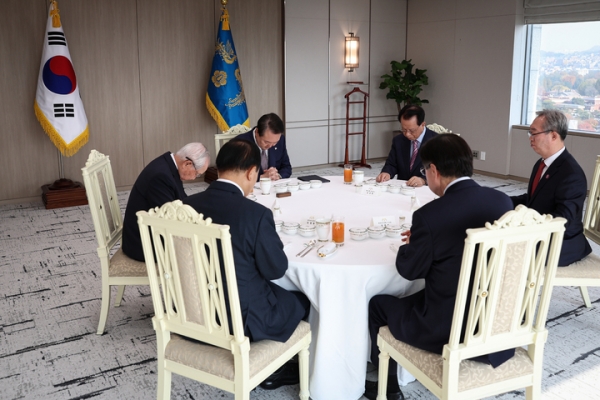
[557, 186]
[404, 159]
[160, 182]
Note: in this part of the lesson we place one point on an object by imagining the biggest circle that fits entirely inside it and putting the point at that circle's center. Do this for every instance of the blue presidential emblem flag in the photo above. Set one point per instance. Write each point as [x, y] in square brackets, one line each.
[225, 99]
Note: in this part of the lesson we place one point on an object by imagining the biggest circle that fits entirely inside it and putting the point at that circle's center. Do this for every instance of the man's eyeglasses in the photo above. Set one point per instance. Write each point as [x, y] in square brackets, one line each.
[194, 165]
[531, 134]
[423, 169]
[411, 131]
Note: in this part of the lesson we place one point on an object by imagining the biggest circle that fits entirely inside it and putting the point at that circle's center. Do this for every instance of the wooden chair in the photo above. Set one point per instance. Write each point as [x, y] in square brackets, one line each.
[511, 259]
[118, 270]
[586, 272]
[192, 302]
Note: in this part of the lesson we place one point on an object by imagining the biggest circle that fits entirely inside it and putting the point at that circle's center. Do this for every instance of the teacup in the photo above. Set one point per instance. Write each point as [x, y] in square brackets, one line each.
[281, 188]
[376, 232]
[358, 233]
[307, 230]
[293, 187]
[393, 231]
[315, 183]
[304, 185]
[290, 227]
[394, 189]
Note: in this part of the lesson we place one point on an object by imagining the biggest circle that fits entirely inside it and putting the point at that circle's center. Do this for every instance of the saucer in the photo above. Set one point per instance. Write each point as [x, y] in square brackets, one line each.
[327, 250]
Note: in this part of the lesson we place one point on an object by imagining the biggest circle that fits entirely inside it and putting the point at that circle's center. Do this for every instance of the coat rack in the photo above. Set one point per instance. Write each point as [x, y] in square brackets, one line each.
[363, 161]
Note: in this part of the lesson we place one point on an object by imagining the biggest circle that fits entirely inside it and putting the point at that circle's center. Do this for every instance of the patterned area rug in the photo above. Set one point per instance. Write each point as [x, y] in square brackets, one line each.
[50, 302]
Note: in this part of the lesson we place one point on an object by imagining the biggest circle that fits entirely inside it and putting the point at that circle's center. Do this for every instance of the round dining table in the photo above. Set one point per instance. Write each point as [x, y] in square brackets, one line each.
[340, 285]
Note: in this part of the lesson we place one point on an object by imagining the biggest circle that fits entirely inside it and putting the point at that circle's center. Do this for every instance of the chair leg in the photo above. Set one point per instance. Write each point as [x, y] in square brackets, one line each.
[104, 308]
[164, 382]
[303, 365]
[119, 295]
[585, 296]
[384, 364]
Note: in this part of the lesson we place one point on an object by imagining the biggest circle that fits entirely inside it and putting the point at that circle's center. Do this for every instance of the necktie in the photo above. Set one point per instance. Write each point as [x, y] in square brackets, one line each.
[537, 177]
[415, 149]
[264, 164]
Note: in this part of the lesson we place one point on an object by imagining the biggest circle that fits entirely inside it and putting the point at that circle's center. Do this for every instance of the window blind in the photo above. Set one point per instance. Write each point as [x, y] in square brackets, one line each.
[560, 11]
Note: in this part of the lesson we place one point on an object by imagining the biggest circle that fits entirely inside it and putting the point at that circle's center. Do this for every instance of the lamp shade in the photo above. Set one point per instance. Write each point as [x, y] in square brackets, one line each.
[351, 52]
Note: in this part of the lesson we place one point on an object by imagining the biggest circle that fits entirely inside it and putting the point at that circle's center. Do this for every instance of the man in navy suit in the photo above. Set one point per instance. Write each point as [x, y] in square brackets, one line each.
[160, 182]
[268, 310]
[404, 159]
[557, 186]
[268, 136]
[433, 251]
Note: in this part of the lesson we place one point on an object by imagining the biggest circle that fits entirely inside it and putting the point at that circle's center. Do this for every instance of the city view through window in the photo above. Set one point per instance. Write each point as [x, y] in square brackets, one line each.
[564, 73]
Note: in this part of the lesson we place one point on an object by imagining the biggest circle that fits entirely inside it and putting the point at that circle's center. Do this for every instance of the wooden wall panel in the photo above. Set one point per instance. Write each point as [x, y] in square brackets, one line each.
[257, 28]
[102, 37]
[143, 68]
[29, 159]
[176, 43]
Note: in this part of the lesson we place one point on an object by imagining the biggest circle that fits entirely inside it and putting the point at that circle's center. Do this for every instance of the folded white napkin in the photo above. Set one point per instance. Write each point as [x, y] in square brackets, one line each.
[327, 249]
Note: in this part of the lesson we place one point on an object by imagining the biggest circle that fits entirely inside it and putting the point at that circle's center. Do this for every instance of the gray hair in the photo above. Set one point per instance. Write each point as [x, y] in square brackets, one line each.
[556, 121]
[195, 152]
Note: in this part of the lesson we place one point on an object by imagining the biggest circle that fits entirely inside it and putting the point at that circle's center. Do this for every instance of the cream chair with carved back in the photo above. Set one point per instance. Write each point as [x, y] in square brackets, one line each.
[220, 140]
[513, 260]
[191, 297]
[586, 272]
[118, 269]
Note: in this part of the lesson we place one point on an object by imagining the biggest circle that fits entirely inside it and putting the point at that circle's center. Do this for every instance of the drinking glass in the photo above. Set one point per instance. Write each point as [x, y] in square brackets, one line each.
[265, 185]
[337, 230]
[358, 177]
[347, 174]
[323, 229]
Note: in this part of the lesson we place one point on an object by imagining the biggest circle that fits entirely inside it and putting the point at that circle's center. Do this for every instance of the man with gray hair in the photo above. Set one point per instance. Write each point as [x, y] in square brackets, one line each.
[557, 186]
[158, 183]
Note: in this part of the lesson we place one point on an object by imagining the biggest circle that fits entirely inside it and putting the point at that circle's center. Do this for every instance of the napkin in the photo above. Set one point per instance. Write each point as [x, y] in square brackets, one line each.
[327, 249]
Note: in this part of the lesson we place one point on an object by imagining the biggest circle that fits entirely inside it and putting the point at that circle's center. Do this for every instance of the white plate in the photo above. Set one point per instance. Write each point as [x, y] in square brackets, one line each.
[326, 250]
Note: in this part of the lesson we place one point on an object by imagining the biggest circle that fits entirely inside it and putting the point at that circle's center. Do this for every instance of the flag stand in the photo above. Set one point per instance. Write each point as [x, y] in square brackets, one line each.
[63, 192]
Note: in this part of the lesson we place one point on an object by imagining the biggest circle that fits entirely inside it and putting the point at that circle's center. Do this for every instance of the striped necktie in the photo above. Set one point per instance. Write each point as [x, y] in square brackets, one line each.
[537, 177]
[415, 149]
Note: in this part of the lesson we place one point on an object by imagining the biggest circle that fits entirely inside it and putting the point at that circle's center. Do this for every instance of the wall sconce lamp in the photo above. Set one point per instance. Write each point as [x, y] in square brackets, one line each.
[351, 52]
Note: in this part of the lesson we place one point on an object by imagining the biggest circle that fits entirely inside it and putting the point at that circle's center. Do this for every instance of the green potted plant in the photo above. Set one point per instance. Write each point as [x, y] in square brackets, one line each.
[404, 84]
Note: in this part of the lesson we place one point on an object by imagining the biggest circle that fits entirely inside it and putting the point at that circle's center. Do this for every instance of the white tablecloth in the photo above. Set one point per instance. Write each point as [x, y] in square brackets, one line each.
[340, 287]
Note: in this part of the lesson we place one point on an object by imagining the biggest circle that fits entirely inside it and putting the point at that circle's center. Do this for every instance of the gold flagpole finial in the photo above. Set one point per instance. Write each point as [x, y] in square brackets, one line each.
[55, 14]
[224, 2]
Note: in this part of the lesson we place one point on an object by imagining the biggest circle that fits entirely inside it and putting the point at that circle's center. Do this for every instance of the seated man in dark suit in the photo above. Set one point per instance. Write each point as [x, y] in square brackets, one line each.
[557, 186]
[158, 183]
[433, 251]
[268, 310]
[404, 159]
[268, 136]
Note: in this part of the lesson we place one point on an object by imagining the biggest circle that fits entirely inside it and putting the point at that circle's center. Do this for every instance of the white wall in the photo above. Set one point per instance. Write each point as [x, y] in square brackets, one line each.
[316, 80]
[474, 52]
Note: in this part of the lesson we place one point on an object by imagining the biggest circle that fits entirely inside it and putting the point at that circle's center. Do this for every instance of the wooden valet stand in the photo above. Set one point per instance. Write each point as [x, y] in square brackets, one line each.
[363, 161]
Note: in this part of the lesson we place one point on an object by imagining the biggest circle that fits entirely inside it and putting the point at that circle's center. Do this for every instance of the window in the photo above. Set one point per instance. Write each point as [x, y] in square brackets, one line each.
[563, 68]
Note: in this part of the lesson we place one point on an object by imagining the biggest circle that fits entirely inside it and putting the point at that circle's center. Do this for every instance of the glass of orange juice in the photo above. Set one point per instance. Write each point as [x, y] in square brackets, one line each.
[348, 174]
[337, 230]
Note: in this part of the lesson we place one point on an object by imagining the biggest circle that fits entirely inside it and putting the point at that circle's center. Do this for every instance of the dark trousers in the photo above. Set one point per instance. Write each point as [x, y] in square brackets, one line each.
[304, 301]
[379, 308]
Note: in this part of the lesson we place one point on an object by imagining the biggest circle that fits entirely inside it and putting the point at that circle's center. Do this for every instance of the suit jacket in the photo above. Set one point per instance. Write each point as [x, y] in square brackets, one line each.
[561, 192]
[157, 184]
[278, 156]
[434, 253]
[398, 161]
[268, 310]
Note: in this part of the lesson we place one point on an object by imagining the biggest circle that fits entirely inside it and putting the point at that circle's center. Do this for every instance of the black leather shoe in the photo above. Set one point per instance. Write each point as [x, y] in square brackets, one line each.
[288, 374]
[393, 390]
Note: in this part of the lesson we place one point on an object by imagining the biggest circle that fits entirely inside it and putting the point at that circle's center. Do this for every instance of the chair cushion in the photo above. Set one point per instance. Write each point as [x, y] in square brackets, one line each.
[472, 374]
[219, 362]
[121, 265]
[588, 267]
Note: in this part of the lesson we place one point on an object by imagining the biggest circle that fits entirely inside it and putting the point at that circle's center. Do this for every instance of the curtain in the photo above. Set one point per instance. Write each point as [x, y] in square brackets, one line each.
[557, 11]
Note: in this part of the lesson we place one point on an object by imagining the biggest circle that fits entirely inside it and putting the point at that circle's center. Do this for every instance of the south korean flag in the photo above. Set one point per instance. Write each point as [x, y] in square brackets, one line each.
[58, 104]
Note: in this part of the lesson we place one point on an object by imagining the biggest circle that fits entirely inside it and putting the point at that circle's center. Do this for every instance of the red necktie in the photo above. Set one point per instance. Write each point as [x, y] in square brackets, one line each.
[414, 153]
[538, 175]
